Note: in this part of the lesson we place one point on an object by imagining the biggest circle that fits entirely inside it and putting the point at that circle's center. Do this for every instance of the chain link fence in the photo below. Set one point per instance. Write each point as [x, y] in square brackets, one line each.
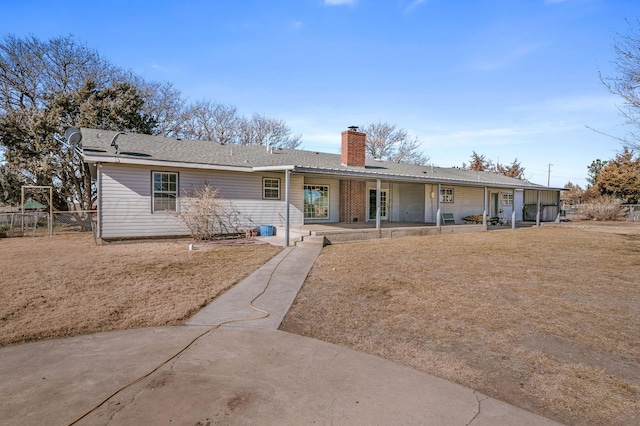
[632, 211]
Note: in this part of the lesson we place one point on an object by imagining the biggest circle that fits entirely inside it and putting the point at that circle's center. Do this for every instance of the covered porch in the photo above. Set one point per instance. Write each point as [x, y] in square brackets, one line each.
[354, 208]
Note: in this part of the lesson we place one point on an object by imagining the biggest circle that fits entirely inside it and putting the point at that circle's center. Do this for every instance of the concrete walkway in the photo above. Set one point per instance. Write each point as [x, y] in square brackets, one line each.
[280, 279]
[242, 373]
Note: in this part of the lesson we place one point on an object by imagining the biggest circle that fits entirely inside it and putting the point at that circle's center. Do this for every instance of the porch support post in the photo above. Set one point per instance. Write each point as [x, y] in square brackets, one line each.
[378, 189]
[22, 210]
[538, 209]
[484, 213]
[558, 204]
[287, 192]
[99, 200]
[438, 213]
[513, 209]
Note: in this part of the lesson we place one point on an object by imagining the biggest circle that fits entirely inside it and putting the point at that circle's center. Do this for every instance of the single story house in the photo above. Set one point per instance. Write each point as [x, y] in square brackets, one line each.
[142, 180]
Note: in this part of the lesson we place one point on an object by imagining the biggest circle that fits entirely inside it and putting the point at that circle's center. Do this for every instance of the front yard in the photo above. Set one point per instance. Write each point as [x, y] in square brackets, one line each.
[65, 285]
[547, 319]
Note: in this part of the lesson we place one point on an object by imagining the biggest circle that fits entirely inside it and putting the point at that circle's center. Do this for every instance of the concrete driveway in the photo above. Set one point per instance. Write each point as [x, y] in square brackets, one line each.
[231, 376]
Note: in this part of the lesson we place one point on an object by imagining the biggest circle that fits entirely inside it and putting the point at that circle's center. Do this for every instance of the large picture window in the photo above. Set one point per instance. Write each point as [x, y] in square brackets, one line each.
[270, 189]
[446, 195]
[165, 192]
[316, 202]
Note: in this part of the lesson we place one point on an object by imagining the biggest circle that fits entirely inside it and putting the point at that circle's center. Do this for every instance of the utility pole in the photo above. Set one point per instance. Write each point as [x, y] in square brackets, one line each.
[549, 175]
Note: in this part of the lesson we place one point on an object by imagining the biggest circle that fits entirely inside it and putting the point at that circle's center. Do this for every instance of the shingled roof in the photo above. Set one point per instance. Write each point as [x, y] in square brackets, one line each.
[133, 148]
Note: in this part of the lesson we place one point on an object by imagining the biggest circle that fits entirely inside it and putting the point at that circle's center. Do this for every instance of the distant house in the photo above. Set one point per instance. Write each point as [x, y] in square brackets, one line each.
[142, 181]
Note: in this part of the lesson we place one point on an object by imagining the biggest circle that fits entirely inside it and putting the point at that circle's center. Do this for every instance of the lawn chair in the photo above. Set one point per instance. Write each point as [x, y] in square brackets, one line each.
[447, 219]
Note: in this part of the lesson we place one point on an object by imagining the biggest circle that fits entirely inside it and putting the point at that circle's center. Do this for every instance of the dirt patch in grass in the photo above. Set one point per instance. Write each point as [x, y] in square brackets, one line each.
[66, 285]
[547, 319]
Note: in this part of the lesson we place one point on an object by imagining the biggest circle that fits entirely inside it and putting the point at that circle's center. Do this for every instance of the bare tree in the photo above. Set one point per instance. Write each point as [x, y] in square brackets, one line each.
[165, 104]
[260, 130]
[211, 121]
[625, 82]
[385, 142]
[47, 86]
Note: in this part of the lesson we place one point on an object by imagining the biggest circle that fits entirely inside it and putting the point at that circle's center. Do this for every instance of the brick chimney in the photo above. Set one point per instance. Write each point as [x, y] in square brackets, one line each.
[353, 147]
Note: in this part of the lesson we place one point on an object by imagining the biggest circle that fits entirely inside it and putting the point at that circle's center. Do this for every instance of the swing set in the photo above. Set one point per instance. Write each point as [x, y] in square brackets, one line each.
[27, 222]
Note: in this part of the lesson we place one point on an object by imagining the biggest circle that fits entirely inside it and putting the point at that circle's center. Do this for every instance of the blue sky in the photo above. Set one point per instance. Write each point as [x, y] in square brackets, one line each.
[506, 78]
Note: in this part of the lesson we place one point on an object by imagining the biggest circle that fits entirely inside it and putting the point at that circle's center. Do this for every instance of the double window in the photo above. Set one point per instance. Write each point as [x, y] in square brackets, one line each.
[316, 202]
[164, 192]
[446, 195]
[507, 199]
[270, 189]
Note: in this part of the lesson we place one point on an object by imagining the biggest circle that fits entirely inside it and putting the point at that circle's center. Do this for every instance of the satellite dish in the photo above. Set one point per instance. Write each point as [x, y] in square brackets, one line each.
[73, 136]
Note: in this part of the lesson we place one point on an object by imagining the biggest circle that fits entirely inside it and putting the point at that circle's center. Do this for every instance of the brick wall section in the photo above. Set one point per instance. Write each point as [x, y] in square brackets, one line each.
[353, 146]
[353, 201]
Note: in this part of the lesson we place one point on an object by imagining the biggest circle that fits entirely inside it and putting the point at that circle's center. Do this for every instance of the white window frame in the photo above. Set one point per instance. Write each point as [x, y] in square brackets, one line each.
[446, 195]
[161, 191]
[307, 212]
[266, 188]
[507, 199]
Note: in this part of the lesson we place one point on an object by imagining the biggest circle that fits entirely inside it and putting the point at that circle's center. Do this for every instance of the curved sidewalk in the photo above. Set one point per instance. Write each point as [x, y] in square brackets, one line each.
[246, 374]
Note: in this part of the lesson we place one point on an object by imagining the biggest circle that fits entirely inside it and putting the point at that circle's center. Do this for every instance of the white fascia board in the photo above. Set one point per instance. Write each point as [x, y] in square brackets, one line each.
[120, 160]
[273, 168]
[425, 179]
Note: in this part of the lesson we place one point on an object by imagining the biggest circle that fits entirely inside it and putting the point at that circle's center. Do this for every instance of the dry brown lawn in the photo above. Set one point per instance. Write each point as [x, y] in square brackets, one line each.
[66, 285]
[547, 319]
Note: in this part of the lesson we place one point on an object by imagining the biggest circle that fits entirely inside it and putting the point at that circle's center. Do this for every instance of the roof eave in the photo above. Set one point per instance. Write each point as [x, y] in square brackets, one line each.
[429, 179]
[161, 163]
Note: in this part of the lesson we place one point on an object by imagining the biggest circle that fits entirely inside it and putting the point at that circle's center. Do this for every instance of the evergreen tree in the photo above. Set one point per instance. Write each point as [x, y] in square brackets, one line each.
[620, 178]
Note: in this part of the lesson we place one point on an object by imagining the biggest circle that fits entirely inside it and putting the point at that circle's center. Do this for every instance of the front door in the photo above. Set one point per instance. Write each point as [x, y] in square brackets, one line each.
[372, 204]
[495, 207]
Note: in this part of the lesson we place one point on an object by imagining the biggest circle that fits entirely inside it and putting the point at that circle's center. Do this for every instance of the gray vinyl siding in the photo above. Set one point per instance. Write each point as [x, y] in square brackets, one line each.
[466, 201]
[126, 205]
[409, 199]
[126, 199]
